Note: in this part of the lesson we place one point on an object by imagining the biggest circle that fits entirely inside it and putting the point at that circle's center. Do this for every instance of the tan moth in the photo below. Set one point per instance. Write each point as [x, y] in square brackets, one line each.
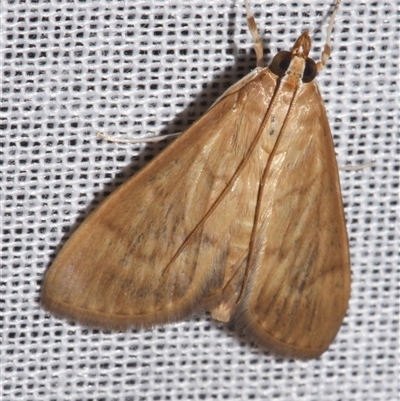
[241, 216]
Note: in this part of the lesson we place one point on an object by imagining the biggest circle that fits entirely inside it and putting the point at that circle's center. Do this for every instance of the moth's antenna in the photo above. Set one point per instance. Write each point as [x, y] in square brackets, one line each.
[258, 47]
[327, 48]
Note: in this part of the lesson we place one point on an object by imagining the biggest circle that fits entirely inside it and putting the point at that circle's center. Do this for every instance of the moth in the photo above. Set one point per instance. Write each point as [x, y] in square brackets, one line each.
[240, 216]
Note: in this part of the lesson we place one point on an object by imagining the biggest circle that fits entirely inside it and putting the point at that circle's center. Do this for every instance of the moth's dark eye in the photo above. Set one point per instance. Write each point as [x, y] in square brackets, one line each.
[280, 63]
[310, 71]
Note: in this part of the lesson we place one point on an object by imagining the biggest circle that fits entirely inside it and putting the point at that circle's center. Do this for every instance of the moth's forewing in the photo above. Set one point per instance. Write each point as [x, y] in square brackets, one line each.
[162, 245]
[299, 286]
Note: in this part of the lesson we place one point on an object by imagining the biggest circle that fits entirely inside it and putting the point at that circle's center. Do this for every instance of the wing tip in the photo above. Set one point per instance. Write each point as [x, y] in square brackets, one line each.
[87, 318]
[278, 347]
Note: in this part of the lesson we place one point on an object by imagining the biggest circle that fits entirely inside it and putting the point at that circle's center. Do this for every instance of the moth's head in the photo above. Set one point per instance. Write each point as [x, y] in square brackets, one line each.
[302, 46]
[296, 62]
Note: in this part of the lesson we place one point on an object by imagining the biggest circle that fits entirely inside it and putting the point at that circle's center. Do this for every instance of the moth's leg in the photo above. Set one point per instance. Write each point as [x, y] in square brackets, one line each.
[157, 138]
[258, 47]
[356, 168]
[327, 48]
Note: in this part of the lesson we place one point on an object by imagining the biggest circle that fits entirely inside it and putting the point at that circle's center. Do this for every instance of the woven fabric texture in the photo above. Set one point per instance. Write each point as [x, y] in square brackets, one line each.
[141, 68]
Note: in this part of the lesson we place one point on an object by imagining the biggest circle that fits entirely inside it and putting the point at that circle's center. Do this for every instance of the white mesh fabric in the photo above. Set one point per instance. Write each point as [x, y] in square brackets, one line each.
[71, 68]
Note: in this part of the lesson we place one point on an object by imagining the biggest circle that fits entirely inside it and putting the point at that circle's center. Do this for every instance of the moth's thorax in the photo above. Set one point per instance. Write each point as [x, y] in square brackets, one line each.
[284, 92]
[295, 72]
